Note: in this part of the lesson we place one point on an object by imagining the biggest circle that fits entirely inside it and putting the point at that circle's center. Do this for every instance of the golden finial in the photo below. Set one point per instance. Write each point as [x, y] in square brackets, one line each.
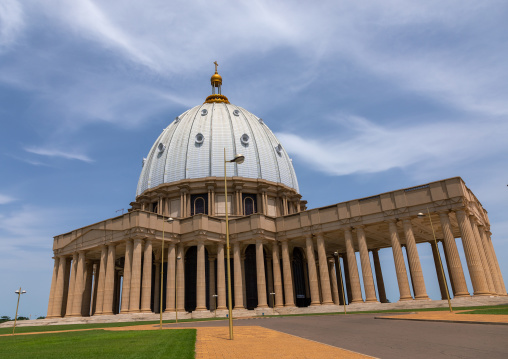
[216, 81]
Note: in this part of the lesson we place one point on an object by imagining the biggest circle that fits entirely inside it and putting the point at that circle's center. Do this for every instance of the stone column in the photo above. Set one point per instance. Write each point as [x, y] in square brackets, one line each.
[200, 277]
[87, 291]
[277, 279]
[59, 290]
[447, 261]
[453, 259]
[269, 277]
[311, 265]
[95, 286]
[180, 279]
[323, 270]
[244, 288]
[474, 264]
[413, 258]
[379, 277]
[78, 285]
[490, 260]
[333, 281]
[146, 285]
[400, 267]
[260, 271]
[238, 276]
[52, 290]
[442, 287]
[483, 256]
[109, 288]
[102, 280]
[157, 288]
[136, 276]
[126, 284]
[70, 290]
[494, 257]
[171, 278]
[116, 295]
[368, 279]
[213, 302]
[354, 278]
[288, 277]
[221, 278]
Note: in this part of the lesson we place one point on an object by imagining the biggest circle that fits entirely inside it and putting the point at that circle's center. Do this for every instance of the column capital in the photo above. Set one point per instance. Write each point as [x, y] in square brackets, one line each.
[359, 226]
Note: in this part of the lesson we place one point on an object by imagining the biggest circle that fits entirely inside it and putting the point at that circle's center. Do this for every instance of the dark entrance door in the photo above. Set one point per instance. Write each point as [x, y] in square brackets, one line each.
[251, 282]
[301, 299]
[191, 278]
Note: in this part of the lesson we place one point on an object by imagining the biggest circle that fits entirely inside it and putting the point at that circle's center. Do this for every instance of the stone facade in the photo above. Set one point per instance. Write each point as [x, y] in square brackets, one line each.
[282, 255]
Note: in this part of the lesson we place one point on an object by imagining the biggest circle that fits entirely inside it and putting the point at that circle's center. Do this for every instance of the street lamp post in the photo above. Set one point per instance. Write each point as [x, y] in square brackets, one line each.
[176, 290]
[421, 215]
[169, 220]
[341, 282]
[239, 160]
[18, 292]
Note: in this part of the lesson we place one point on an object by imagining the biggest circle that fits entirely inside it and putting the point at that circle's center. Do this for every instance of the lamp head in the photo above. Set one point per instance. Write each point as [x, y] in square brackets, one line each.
[170, 220]
[178, 257]
[420, 215]
[336, 253]
[238, 159]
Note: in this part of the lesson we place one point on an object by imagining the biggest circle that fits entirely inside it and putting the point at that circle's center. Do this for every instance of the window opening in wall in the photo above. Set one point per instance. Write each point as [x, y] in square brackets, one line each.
[155, 207]
[249, 204]
[199, 204]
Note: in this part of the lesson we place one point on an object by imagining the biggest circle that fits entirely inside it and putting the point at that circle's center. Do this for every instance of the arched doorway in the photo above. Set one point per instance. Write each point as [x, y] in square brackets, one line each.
[191, 278]
[301, 299]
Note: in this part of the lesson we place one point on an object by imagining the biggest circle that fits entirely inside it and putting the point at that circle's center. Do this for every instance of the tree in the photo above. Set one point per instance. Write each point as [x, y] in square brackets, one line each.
[4, 318]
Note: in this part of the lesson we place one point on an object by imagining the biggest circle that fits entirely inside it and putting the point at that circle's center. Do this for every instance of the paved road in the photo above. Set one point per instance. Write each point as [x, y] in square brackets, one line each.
[391, 338]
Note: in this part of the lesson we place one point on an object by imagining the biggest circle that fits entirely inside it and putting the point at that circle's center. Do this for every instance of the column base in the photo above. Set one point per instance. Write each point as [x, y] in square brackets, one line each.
[150, 311]
[463, 294]
[405, 299]
[314, 304]
[286, 306]
[238, 307]
[356, 301]
[328, 303]
[222, 308]
[482, 293]
[372, 301]
[422, 297]
[202, 309]
[262, 306]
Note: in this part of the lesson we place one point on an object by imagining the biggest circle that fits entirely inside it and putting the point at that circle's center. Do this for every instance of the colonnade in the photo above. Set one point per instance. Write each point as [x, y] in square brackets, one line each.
[82, 287]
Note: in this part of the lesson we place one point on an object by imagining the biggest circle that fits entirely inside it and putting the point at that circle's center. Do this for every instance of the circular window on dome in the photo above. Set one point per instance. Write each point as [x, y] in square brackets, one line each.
[204, 112]
[245, 139]
[177, 119]
[278, 149]
[200, 138]
[260, 121]
[161, 147]
[236, 113]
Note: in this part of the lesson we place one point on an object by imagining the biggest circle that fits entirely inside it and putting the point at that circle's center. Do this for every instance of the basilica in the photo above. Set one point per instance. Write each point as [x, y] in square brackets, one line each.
[217, 175]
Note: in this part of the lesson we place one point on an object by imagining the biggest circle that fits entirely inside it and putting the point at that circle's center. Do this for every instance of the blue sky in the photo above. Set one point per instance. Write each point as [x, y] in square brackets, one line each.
[367, 97]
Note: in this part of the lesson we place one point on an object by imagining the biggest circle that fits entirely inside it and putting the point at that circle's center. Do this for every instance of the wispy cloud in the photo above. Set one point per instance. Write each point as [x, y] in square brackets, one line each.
[4, 199]
[361, 146]
[11, 22]
[59, 153]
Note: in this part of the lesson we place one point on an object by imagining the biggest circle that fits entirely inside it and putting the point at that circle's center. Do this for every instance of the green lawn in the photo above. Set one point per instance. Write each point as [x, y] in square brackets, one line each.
[502, 311]
[50, 328]
[101, 344]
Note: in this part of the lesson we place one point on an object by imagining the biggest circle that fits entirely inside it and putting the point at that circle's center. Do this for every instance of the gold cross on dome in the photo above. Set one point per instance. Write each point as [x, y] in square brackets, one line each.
[216, 64]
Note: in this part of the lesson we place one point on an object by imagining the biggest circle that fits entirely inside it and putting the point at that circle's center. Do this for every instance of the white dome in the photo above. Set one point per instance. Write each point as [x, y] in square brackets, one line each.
[192, 146]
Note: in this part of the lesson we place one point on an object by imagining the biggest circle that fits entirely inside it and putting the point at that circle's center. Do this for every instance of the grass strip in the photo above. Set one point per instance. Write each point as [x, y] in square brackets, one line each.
[494, 311]
[51, 328]
[102, 344]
